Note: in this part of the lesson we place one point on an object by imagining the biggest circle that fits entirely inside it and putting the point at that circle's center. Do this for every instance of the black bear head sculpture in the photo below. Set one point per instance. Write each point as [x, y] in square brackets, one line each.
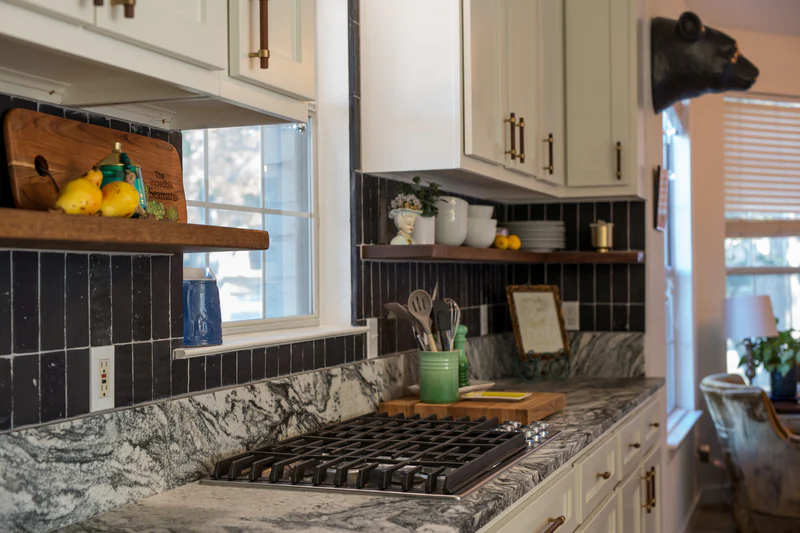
[690, 59]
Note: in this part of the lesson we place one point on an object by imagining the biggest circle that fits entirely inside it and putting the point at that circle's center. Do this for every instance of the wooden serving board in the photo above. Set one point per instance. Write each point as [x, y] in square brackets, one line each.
[72, 148]
[535, 407]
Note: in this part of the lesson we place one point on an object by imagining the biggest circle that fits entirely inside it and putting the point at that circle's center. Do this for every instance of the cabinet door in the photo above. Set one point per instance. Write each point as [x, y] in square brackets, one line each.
[485, 134]
[522, 52]
[191, 30]
[631, 500]
[601, 98]
[651, 519]
[81, 11]
[291, 45]
[605, 519]
[551, 93]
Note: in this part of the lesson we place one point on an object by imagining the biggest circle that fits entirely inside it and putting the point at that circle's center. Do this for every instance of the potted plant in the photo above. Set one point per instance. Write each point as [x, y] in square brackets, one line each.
[425, 227]
[779, 356]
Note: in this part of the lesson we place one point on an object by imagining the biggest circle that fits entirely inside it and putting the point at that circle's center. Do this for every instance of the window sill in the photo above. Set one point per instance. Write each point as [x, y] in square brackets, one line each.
[231, 343]
[680, 423]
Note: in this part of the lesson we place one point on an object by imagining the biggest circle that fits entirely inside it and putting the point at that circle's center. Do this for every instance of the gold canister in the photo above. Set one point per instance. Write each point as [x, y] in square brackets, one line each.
[602, 235]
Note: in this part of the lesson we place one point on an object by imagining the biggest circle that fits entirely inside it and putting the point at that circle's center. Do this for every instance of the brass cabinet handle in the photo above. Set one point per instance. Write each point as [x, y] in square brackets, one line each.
[604, 475]
[655, 425]
[653, 483]
[512, 120]
[263, 51]
[619, 160]
[635, 445]
[129, 6]
[650, 500]
[556, 523]
[549, 142]
[521, 126]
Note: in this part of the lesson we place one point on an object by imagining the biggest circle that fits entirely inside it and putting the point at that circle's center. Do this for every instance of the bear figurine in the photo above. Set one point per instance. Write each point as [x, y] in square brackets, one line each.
[690, 59]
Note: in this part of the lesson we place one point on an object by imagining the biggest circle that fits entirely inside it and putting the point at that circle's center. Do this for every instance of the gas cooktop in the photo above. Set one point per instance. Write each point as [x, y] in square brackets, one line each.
[392, 455]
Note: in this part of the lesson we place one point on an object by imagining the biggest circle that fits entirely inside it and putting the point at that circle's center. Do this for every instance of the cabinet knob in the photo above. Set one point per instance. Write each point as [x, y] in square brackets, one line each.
[655, 425]
[604, 475]
[556, 523]
[635, 445]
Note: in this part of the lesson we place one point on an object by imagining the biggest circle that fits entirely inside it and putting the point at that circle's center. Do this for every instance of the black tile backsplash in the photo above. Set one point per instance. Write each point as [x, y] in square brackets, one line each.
[51, 301]
[142, 372]
[100, 299]
[26, 379]
[25, 301]
[77, 298]
[78, 379]
[54, 387]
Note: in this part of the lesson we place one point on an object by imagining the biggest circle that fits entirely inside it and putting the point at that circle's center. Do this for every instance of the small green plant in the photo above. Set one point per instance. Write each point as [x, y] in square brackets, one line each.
[428, 196]
[779, 353]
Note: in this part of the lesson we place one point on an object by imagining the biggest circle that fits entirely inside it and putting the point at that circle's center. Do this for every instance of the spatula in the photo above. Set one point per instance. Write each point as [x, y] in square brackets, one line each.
[442, 323]
[420, 305]
[400, 311]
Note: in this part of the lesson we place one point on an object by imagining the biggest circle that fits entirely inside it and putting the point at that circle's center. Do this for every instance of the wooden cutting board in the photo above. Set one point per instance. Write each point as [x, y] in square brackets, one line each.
[72, 148]
[535, 407]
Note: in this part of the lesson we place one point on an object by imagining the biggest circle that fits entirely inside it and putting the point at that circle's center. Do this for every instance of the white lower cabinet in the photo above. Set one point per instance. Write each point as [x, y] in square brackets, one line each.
[651, 513]
[605, 519]
[597, 475]
[631, 500]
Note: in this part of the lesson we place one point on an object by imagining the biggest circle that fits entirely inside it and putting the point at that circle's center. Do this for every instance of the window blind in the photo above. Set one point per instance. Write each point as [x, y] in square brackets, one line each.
[762, 157]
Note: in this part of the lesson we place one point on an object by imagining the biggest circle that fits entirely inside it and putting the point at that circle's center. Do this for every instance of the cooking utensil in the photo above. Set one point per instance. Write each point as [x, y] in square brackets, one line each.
[401, 312]
[455, 317]
[43, 169]
[420, 304]
[442, 323]
[435, 290]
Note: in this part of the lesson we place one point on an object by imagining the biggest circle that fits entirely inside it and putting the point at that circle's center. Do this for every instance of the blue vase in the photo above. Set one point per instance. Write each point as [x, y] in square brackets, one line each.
[202, 318]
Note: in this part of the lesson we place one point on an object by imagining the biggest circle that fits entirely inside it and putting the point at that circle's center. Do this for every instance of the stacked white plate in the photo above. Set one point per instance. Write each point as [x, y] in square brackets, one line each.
[539, 235]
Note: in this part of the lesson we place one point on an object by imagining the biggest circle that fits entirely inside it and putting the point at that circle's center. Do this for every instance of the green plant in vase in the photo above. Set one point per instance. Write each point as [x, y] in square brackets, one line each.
[779, 356]
[428, 195]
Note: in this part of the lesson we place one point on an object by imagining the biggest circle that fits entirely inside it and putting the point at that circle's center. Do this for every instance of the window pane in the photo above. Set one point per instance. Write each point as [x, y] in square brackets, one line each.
[193, 165]
[289, 263]
[738, 253]
[286, 167]
[234, 166]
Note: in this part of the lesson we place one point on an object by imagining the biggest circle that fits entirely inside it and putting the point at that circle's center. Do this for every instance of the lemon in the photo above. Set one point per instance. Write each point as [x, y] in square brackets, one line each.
[120, 199]
[79, 197]
[513, 242]
[501, 242]
[95, 176]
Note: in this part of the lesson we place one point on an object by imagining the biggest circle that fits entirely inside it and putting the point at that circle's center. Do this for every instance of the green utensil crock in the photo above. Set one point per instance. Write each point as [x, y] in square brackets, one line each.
[438, 377]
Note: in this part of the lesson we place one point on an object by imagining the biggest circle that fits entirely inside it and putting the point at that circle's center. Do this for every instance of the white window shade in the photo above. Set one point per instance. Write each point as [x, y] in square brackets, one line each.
[762, 158]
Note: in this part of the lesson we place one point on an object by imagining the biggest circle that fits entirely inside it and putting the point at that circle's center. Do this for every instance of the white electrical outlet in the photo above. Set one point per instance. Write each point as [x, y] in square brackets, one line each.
[101, 378]
[572, 318]
[372, 338]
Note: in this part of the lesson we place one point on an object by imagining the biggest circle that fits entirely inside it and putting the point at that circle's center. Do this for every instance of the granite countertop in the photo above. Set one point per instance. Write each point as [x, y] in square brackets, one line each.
[593, 406]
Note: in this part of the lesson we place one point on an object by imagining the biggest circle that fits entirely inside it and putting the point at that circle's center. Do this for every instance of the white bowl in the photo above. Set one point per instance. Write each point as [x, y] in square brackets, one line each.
[481, 232]
[451, 221]
[480, 211]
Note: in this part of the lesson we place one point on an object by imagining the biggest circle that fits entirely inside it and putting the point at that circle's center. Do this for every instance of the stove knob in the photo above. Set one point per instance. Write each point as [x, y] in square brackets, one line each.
[529, 434]
[544, 425]
[514, 423]
[537, 439]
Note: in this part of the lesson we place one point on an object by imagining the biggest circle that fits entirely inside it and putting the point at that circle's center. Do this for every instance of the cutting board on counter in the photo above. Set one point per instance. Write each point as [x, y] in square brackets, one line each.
[72, 148]
[535, 407]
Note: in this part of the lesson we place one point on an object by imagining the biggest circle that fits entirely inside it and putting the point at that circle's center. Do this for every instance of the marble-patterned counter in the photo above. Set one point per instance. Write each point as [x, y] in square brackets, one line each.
[593, 406]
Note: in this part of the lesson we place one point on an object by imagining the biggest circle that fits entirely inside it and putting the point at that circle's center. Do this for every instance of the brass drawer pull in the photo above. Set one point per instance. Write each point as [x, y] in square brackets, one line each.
[129, 6]
[549, 168]
[512, 119]
[619, 160]
[655, 425]
[604, 475]
[635, 445]
[650, 488]
[263, 51]
[521, 126]
[556, 523]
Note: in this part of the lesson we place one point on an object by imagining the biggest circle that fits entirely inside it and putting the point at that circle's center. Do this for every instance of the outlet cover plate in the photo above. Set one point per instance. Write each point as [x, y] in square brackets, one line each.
[97, 400]
[572, 319]
[372, 338]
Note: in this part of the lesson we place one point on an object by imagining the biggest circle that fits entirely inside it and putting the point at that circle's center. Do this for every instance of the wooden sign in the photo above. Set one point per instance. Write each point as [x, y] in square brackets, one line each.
[538, 321]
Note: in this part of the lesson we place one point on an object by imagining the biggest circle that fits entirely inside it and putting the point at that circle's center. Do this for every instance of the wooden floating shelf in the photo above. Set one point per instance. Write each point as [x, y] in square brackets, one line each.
[466, 254]
[21, 228]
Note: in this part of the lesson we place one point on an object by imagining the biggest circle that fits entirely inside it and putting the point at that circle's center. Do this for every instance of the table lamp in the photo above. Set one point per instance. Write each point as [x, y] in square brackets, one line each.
[748, 317]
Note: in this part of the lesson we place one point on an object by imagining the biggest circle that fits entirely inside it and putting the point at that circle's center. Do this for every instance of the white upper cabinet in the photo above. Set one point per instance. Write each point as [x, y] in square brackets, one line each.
[194, 31]
[80, 11]
[552, 138]
[601, 101]
[289, 69]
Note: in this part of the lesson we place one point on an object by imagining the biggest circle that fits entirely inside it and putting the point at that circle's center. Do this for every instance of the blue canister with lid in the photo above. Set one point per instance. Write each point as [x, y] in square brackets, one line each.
[202, 317]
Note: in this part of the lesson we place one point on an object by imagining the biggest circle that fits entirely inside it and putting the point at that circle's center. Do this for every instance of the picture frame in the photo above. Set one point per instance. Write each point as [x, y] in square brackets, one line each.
[538, 321]
[660, 198]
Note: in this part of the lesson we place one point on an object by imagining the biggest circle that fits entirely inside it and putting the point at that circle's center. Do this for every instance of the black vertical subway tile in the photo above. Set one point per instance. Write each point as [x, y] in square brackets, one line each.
[619, 283]
[24, 103]
[98, 120]
[272, 357]
[197, 374]
[637, 230]
[585, 217]
[5, 303]
[120, 125]
[355, 132]
[519, 212]
[405, 338]
[53, 386]
[359, 352]
[78, 116]
[603, 317]
[570, 214]
[467, 320]
[552, 212]
[620, 219]
[619, 318]
[537, 212]
[387, 285]
[553, 273]
[228, 368]
[319, 354]
[520, 274]
[637, 319]
[6, 392]
[160, 291]
[121, 298]
[142, 372]
[140, 129]
[586, 283]
[357, 287]
[259, 363]
[637, 283]
[99, 300]
[162, 373]
[78, 381]
[244, 366]
[49, 109]
[161, 135]
[602, 211]
[404, 287]
[141, 298]
[570, 283]
[285, 360]
[357, 184]
[179, 377]
[176, 295]
[602, 288]
[213, 371]
[176, 140]
[377, 290]
[51, 301]
[303, 356]
[26, 390]
[25, 303]
[334, 351]
[538, 274]
[349, 351]
[123, 375]
[586, 317]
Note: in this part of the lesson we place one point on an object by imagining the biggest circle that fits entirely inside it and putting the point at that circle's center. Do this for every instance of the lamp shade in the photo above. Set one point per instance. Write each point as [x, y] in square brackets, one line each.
[749, 316]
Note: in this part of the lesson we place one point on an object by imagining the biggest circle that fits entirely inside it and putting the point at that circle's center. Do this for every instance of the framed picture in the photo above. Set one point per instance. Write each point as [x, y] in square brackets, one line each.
[661, 198]
[538, 321]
